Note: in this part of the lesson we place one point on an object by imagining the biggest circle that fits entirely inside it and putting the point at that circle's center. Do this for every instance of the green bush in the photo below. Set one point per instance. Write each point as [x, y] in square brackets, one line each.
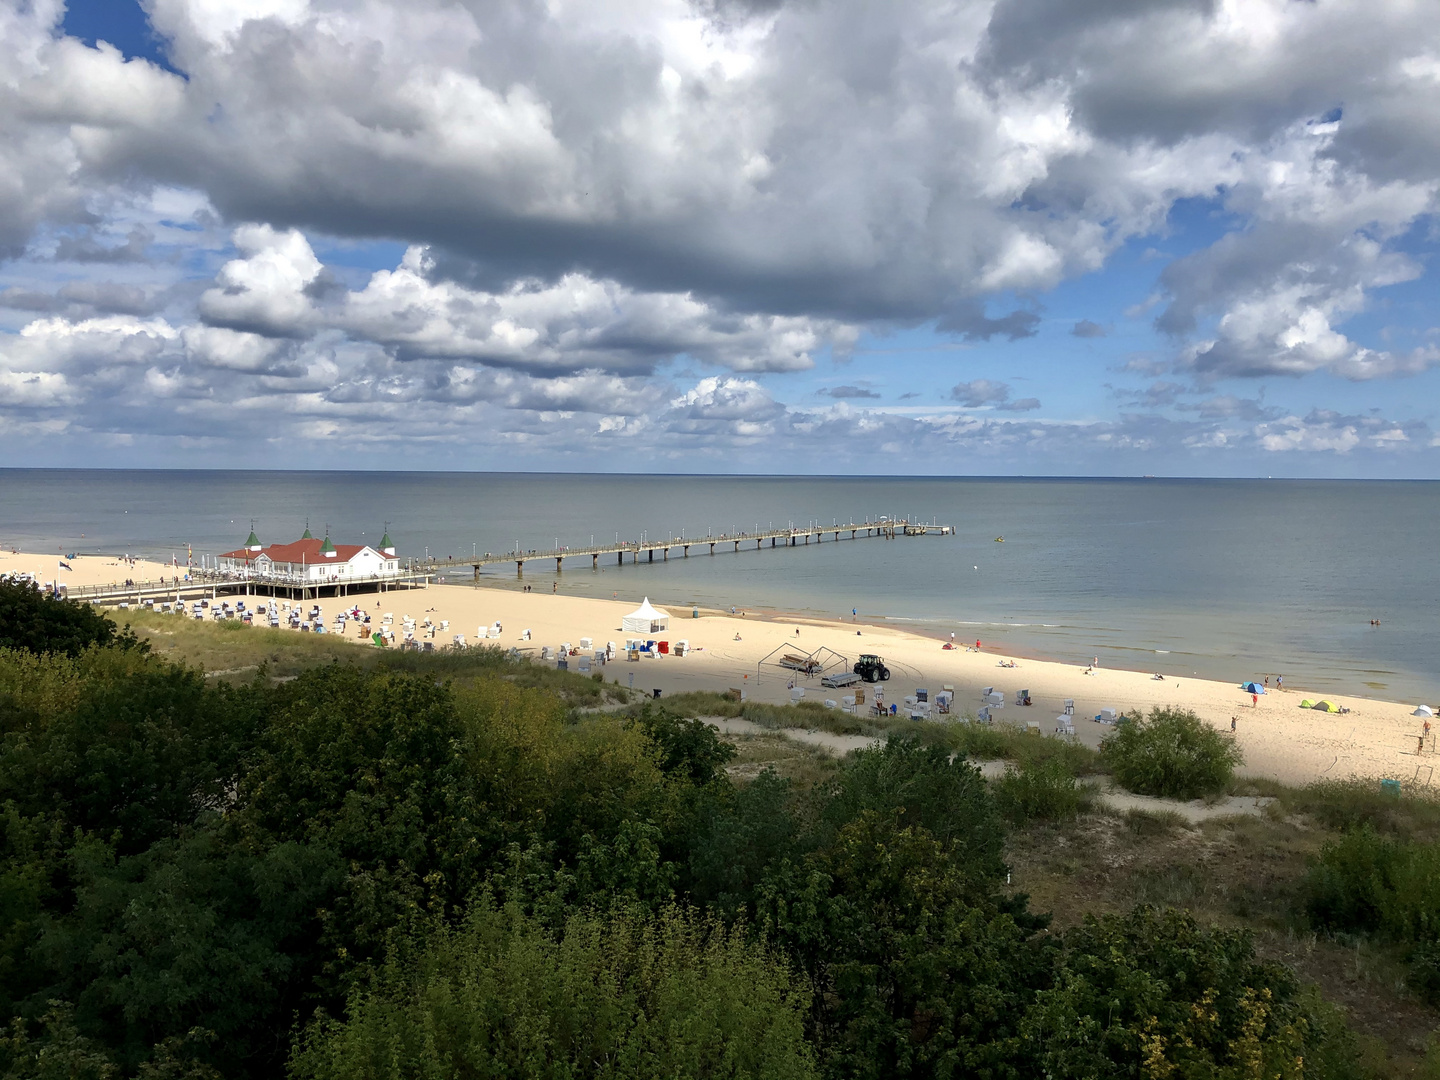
[40, 622]
[623, 995]
[1174, 754]
[1367, 883]
[1038, 791]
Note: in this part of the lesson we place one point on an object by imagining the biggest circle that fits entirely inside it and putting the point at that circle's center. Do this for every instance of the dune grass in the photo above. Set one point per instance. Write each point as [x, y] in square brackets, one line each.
[235, 651]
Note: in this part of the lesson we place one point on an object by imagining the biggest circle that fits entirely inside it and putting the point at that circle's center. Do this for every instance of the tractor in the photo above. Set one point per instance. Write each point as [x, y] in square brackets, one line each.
[872, 668]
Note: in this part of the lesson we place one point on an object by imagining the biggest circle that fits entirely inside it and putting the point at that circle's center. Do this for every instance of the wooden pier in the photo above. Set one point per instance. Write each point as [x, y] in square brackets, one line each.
[786, 537]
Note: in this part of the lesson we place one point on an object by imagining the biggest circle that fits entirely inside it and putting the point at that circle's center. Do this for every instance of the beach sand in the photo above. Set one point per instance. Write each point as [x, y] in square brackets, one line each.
[85, 569]
[1280, 740]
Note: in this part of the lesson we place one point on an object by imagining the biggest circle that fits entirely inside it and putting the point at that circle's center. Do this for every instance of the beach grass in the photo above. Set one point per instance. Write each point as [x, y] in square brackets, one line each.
[233, 651]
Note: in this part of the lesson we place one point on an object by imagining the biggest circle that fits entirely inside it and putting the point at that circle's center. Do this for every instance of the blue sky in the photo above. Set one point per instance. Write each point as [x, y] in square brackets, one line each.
[944, 237]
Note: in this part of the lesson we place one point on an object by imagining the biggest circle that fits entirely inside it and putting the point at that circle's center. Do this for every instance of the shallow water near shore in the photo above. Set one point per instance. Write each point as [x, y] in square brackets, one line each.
[1226, 579]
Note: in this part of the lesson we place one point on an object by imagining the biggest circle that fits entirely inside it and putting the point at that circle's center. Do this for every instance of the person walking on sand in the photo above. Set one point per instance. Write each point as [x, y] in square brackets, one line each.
[1233, 721]
[1279, 682]
[1254, 701]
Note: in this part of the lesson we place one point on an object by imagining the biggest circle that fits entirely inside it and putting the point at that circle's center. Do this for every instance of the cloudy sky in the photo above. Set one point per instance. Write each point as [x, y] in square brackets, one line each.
[999, 236]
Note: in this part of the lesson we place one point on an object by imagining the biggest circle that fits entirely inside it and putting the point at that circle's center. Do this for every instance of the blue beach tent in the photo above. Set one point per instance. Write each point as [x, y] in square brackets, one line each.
[1252, 688]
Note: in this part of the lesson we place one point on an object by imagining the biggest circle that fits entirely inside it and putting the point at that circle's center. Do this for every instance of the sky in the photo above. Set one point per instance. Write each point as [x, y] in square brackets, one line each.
[1000, 237]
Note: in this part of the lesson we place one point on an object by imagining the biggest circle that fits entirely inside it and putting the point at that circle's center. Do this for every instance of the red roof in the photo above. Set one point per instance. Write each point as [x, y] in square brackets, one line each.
[301, 551]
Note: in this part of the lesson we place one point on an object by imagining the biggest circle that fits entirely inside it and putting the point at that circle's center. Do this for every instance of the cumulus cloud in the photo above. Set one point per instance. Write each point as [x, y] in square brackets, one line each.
[983, 392]
[574, 324]
[605, 204]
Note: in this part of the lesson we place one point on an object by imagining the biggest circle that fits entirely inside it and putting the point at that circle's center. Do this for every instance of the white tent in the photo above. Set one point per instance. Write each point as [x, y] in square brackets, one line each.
[645, 620]
[1423, 710]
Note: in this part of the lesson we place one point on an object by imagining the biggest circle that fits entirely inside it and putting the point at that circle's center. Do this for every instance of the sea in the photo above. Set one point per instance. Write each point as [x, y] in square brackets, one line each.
[1224, 579]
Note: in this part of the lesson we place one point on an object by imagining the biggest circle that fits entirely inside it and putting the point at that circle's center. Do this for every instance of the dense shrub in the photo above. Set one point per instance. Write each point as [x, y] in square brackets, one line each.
[622, 995]
[1038, 791]
[188, 869]
[927, 788]
[1174, 754]
[40, 622]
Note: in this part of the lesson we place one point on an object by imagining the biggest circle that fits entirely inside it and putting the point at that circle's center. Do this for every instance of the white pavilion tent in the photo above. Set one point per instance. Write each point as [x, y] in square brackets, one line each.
[645, 620]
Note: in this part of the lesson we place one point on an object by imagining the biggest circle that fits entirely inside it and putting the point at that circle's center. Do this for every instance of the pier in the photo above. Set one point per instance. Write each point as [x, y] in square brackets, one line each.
[212, 586]
[790, 536]
[419, 573]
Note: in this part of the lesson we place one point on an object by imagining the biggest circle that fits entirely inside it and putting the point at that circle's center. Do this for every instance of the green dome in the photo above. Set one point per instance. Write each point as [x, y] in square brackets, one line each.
[385, 542]
[306, 534]
[253, 541]
[327, 548]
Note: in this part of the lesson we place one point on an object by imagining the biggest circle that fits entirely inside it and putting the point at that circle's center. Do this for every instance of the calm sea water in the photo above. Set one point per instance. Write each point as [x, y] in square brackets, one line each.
[1223, 578]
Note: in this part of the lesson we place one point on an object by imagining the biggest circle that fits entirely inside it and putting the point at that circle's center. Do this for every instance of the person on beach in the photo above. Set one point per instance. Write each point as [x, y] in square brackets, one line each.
[1279, 682]
[1267, 682]
[1254, 701]
[1233, 721]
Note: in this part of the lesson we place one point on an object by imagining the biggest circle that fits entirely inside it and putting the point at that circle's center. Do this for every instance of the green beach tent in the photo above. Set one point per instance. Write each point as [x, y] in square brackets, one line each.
[1325, 706]
[1307, 704]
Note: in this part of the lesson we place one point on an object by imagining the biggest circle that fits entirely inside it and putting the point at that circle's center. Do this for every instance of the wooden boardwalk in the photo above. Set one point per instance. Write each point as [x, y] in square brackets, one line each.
[733, 542]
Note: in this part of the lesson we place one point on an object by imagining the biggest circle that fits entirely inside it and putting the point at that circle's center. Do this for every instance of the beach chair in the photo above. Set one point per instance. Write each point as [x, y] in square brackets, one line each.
[1069, 706]
[797, 693]
[583, 667]
[587, 643]
[481, 633]
[1064, 726]
[1022, 697]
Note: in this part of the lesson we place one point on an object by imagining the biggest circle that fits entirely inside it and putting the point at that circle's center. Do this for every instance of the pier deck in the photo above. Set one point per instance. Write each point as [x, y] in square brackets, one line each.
[786, 537]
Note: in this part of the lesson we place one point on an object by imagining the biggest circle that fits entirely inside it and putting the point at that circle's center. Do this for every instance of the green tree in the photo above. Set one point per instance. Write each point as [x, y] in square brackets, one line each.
[624, 995]
[945, 795]
[41, 622]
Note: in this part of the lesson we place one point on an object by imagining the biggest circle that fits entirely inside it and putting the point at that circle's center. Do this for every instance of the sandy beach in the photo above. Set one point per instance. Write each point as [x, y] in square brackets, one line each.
[84, 569]
[1280, 740]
